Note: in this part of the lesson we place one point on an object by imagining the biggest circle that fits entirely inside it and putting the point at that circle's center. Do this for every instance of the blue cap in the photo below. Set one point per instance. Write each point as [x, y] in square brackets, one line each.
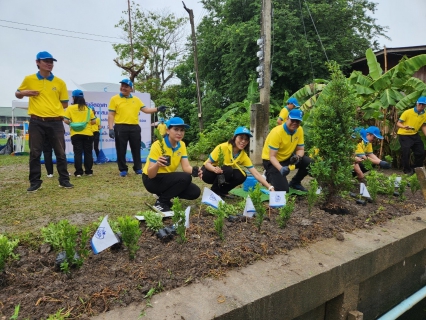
[357, 131]
[242, 130]
[422, 100]
[44, 55]
[296, 114]
[161, 119]
[293, 101]
[77, 93]
[176, 121]
[128, 82]
[374, 131]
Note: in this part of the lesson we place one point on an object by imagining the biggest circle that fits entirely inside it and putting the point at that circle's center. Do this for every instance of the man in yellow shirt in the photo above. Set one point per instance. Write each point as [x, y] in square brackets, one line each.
[48, 96]
[285, 145]
[123, 125]
[291, 104]
[162, 128]
[409, 123]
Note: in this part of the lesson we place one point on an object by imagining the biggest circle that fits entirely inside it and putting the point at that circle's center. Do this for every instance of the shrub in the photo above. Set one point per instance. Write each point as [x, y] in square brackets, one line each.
[256, 198]
[153, 220]
[179, 219]
[130, 234]
[286, 211]
[6, 250]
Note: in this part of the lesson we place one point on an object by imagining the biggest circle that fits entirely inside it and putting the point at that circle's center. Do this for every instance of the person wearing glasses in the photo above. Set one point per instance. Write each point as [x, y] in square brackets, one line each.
[409, 124]
[123, 125]
[48, 97]
[235, 155]
[285, 146]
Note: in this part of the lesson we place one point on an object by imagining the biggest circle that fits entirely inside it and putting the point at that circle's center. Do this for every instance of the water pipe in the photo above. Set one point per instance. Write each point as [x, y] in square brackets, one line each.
[405, 305]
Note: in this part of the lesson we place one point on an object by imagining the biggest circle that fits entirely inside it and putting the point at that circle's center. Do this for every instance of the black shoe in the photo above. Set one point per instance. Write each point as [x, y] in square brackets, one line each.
[161, 206]
[297, 186]
[66, 185]
[34, 187]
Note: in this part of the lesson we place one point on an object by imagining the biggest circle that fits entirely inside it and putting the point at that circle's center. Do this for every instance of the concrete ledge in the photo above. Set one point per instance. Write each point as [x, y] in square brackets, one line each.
[370, 271]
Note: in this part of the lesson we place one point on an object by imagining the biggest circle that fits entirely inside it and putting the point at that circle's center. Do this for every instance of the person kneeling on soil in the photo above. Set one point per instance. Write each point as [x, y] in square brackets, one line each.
[234, 155]
[364, 150]
[159, 176]
[285, 146]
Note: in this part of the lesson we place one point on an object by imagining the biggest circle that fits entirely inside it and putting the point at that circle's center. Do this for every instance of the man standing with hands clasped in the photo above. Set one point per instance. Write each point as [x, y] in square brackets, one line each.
[48, 97]
[409, 123]
[123, 111]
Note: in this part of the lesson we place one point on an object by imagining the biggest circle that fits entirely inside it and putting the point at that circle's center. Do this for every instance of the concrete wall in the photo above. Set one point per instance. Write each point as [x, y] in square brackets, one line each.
[370, 271]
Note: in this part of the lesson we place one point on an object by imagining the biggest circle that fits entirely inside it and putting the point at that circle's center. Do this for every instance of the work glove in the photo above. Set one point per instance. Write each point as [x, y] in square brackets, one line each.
[161, 108]
[284, 171]
[111, 133]
[294, 159]
[195, 171]
[384, 165]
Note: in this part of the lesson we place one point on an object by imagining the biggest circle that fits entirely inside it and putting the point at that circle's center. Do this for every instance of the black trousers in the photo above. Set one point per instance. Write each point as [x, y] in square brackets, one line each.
[54, 132]
[47, 154]
[233, 178]
[411, 143]
[82, 144]
[128, 133]
[96, 135]
[280, 183]
[171, 185]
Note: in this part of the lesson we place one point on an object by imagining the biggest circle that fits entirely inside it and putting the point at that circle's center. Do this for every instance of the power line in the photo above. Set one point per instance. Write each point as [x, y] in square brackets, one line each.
[55, 34]
[33, 25]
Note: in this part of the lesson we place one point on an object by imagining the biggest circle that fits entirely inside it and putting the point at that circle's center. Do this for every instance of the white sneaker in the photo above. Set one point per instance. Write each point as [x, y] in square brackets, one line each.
[50, 175]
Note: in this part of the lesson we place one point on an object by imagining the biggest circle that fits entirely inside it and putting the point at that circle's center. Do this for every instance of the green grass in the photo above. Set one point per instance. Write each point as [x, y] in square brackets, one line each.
[105, 193]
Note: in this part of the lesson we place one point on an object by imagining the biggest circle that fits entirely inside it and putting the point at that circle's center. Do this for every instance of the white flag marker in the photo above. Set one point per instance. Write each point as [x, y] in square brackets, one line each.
[104, 237]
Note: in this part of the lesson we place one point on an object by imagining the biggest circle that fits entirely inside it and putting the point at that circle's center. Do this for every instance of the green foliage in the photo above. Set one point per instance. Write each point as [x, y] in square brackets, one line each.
[390, 188]
[130, 234]
[286, 211]
[414, 183]
[367, 164]
[153, 220]
[401, 188]
[333, 120]
[112, 223]
[373, 182]
[6, 250]
[63, 237]
[312, 196]
[59, 315]
[221, 158]
[160, 140]
[15, 312]
[256, 197]
[220, 216]
[227, 208]
[179, 219]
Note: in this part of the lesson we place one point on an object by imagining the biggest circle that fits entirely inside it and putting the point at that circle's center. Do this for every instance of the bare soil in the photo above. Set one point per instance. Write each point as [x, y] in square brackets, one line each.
[110, 280]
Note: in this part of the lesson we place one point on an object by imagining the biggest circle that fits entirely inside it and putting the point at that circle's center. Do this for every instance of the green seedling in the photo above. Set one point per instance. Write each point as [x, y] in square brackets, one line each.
[6, 250]
[218, 222]
[153, 220]
[256, 198]
[15, 313]
[401, 188]
[414, 183]
[373, 184]
[130, 234]
[179, 219]
[286, 211]
[312, 195]
[160, 140]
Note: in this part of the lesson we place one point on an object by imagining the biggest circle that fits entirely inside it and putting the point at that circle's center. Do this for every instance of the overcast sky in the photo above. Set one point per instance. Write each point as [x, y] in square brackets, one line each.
[82, 61]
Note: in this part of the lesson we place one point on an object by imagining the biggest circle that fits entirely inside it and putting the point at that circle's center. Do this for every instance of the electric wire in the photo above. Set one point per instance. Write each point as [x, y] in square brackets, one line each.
[307, 42]
[55, 34]
[316, 30]
[33, 25]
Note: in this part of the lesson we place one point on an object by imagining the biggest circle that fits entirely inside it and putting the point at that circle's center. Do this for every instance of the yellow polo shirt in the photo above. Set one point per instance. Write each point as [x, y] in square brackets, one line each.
[176, 155]
[284, 114]
[230, 159]
[413, 119]
[283, 141]
[363, 149]
[162, 128]
[74, 115]
[95, 127]
[126, 109]
[52, 90]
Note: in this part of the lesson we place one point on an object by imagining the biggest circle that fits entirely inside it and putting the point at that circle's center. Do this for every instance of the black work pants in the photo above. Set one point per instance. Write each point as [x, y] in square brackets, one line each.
[96, 135]
[47, 155]
[280, 183]
[82, 144]
[233, 178]
[54, 132]
[411, 143]
[128, 133]
[171, 185]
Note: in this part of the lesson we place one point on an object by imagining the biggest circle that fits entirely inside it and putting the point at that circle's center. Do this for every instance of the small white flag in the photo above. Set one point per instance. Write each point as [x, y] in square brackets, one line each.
[210, 198]
[104, 237]
[363, 191]
[187, 211]
[249, 209]
[318, 190]
[397, 182]
[277, 199]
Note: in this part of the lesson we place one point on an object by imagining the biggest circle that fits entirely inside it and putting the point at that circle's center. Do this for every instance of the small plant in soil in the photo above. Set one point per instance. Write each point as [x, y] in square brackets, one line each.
[15, 313]
[130, 234]
[401, 188]
[179, 219]
[256, 198]
[227, 208]
[373, 184]
[153, 220]
[220, 162]
[6, 250]
[286, 211]
[390, 188]
[220, 214]
[414, 183]
[312, 196]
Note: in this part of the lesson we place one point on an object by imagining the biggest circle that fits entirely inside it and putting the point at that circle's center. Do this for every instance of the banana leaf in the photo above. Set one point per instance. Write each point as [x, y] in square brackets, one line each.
[408, 101]
[375, 71]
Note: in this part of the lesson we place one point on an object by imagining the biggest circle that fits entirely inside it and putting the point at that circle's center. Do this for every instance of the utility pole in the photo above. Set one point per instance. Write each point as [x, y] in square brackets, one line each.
[259, 123]
[194, 45]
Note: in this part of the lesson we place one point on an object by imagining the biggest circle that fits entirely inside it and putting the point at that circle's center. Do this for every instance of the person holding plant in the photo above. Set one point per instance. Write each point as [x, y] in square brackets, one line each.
[226, 161]
[123, 125]
[82, 140]
[409, 123]
[285, 146]
[159, 173]
[162, 128]
[291, 104]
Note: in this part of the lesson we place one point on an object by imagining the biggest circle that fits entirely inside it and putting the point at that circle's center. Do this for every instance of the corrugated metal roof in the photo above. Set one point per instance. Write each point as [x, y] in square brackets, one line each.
[7, 112]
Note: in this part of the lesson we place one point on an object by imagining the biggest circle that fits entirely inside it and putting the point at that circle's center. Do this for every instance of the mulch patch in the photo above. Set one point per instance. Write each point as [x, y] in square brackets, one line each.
[110, 280]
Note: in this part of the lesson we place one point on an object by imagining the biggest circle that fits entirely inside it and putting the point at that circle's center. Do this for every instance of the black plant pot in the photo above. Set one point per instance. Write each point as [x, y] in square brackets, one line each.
[361, 202]
[220, 179]
[119, 244]
[167, 157]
